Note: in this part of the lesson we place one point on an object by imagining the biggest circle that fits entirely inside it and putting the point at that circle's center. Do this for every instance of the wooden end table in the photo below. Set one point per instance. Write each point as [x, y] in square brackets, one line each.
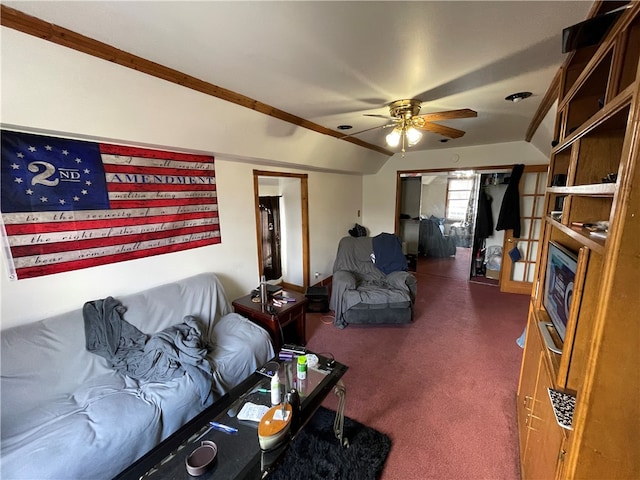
[291, 315]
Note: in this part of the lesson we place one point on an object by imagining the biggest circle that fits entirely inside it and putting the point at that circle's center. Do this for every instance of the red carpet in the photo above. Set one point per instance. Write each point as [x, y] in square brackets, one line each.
[444, 387]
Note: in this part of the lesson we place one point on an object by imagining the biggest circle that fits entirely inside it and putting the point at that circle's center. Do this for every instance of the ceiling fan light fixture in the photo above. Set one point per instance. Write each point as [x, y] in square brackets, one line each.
[393, 139]
[407, 123]
[413, 136]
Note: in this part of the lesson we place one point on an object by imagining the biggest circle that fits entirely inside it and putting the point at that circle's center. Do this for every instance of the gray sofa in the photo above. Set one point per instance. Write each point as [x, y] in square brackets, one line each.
[371, 284]
[66, 414]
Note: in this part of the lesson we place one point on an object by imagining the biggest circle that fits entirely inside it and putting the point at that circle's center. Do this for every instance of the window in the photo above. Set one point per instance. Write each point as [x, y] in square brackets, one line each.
[458, 193]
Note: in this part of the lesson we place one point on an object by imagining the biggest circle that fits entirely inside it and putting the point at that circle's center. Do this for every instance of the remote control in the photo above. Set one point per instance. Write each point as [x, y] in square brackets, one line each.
[290, 347]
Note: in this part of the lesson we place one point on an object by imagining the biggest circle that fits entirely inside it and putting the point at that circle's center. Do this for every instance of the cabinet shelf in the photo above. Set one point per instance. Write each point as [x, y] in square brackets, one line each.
[622, 100]
[539, 315]
[592, 81]
[597, 190]
[580, 235]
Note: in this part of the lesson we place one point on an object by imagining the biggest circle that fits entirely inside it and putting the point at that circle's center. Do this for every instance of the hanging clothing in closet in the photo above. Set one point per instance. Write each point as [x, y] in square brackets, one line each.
[484, 220]
[509, 217]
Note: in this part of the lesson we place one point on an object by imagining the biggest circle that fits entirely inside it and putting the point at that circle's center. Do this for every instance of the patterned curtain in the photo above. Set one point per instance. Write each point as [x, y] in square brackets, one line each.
[473, 201]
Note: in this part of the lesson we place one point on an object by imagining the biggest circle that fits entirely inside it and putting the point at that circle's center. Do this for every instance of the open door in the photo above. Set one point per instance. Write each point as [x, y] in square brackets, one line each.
[517, 277]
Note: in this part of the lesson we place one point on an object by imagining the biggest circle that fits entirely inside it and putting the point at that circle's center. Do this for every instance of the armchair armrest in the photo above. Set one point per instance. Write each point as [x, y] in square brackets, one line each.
[404, 281]
[345, 279]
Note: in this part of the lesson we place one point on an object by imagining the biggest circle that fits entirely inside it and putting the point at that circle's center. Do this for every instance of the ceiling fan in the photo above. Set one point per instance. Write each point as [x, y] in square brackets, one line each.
[407, 123]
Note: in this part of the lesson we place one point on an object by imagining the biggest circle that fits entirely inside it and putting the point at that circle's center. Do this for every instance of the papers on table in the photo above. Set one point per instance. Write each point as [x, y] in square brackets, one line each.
[252, 412]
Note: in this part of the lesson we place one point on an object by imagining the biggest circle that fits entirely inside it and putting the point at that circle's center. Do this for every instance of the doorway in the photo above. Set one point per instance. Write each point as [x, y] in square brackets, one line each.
[282, 228]
[437, 217]
[493, 265]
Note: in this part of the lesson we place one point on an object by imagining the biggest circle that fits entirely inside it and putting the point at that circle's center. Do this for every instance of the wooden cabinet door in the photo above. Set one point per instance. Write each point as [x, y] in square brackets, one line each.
[528, 380]
[534, 425]
[545, 436]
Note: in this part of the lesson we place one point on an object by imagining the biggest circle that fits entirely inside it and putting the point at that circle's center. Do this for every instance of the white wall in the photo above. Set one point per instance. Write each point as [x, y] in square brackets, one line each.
[50, 89]
[335, 205]
[434, 196]
[379, 194]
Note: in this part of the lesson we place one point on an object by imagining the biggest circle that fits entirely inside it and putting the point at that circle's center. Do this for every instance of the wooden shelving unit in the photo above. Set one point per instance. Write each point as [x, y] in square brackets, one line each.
[596, 159]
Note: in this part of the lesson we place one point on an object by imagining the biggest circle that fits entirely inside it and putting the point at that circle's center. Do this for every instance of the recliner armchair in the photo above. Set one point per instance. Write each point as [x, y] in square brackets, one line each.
[371, 284]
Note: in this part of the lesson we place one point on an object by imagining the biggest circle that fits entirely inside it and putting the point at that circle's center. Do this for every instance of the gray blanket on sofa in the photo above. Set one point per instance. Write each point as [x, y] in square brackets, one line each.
[175, 351]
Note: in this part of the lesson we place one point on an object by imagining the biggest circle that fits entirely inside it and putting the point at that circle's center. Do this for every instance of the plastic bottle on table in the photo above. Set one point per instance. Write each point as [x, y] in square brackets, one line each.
[275, 389]
[302, 367]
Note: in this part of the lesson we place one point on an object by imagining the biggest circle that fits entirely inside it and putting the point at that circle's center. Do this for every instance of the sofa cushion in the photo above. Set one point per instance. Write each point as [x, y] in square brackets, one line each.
[155, 309]
[99, 429]
[50, 354]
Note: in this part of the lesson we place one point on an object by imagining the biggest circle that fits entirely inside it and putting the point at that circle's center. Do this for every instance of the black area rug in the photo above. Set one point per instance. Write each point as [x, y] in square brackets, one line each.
[316, 453]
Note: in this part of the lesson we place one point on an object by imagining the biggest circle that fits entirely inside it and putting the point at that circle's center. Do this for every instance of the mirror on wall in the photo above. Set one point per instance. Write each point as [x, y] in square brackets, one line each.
[282, 228]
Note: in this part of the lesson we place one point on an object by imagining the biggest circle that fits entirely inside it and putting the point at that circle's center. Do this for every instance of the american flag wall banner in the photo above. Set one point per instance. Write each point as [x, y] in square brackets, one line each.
[70, 204]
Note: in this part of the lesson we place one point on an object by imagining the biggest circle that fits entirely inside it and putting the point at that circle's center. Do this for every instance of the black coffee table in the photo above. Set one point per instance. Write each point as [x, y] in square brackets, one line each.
[239, 455]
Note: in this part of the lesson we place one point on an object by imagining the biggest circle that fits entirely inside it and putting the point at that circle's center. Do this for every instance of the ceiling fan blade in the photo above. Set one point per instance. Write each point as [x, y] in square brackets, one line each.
[449, 114]
[440, 129]
[367, 130]
[376, 115]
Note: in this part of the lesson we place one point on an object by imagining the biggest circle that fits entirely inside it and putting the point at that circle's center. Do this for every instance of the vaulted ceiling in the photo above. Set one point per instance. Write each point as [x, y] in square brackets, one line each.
[332, 63]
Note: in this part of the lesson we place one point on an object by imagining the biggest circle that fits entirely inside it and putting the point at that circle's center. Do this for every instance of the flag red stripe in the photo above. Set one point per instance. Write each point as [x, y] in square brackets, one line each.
[121, 204]
[160, 171]
[32, 228]
[147, 153]
[155, 187]
[31, 272]
[71, 246]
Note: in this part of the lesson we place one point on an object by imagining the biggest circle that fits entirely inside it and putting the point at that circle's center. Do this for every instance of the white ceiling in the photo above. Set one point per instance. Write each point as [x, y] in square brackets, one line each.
[330, 62]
